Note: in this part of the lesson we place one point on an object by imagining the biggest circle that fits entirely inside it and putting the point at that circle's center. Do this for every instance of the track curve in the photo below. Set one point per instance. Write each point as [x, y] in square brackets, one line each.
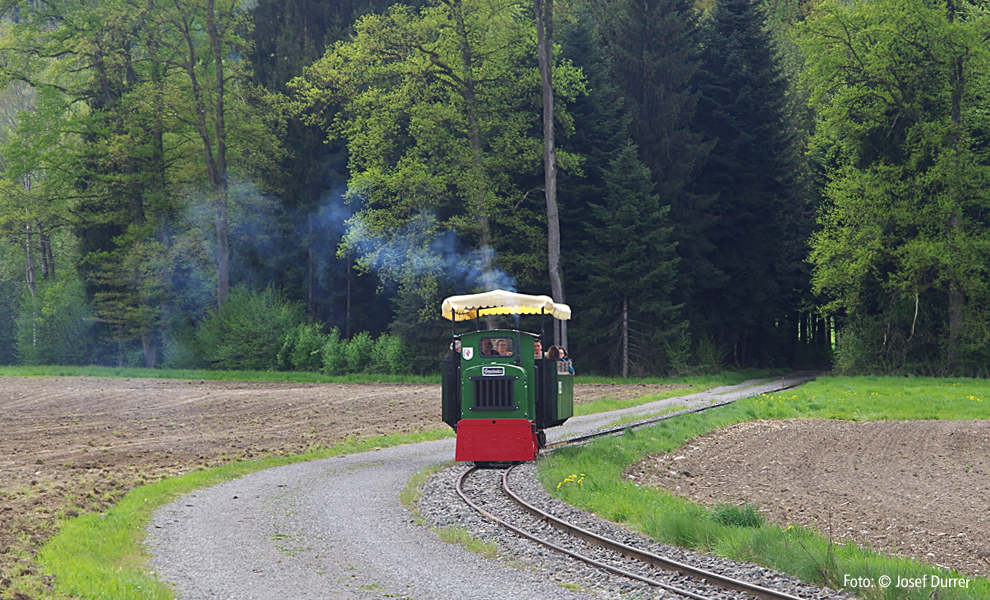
[335, 528]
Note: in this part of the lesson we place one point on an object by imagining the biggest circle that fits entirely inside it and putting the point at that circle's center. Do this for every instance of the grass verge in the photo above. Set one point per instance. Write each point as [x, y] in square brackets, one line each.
[461, 536]
[728, 378]
[410, 495]
[590, 478]
[207, 375]
[100, 556]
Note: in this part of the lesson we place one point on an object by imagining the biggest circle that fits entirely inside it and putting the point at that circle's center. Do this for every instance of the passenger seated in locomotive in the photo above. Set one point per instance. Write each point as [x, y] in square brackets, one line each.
[496, 347]
[567, 361]
[564, 365]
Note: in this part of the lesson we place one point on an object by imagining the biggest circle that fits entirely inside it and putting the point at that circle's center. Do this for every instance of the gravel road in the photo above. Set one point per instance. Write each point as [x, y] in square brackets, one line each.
[335, 528]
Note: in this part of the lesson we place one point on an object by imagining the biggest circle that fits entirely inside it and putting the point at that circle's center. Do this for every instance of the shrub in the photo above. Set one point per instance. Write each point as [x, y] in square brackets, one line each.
[303, 349]
[710, 355]
[56, 325]
[179, 351]
[333, 353]
[858, 349]
[389, 356]
[249, 331]
[358, 352]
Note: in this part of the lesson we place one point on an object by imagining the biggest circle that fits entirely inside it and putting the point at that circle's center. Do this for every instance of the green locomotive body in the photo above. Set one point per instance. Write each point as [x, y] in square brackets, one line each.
[499, 391]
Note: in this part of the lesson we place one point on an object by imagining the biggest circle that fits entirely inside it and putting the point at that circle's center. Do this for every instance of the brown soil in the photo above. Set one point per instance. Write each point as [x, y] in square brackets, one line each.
[915, 488]
[70, 445]
[586, 393]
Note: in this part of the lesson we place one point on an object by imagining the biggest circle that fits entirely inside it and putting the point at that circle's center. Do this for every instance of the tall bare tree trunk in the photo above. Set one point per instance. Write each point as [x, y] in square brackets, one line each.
[625, 338]
[44, 250]
[29, 262]
[544, 53]
[29, 279]
[216, 160]
[310, 269]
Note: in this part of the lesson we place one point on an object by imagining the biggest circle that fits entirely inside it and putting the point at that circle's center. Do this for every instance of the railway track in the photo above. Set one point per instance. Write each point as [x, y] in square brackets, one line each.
[489, 492]
[493, 497]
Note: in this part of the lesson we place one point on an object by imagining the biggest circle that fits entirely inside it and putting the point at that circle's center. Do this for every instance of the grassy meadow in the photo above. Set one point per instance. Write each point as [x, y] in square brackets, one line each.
[590, 477]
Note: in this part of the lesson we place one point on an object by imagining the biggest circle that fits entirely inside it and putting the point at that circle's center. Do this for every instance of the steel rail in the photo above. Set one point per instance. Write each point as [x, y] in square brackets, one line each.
[649, 558]
[652, 420]
[571, 553]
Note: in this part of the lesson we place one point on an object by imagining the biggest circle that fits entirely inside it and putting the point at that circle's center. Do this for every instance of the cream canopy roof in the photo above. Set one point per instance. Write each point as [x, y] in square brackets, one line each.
[500, 302]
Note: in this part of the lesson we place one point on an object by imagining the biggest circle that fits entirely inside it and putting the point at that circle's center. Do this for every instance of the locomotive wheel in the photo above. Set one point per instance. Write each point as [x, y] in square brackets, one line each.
[541, 440]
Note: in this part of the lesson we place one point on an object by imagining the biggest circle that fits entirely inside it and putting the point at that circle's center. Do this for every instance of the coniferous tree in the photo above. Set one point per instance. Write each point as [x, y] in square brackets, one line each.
[654, 48]
[311, 178]
[600, 121]
[600, 131]
[751, 173]
[631, 268]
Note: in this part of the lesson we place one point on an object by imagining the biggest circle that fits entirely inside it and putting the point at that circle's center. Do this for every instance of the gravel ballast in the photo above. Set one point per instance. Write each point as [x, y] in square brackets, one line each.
[335, 528]
[441, 505]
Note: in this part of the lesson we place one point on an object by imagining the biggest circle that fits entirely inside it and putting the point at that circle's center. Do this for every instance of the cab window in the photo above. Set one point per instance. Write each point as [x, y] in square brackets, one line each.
[496, 347]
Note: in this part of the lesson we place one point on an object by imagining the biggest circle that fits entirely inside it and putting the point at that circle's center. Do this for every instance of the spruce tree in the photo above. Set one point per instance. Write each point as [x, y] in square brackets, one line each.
[599, 133]
[654, 46]
[288, 35]
[751, 170]
[631, 268]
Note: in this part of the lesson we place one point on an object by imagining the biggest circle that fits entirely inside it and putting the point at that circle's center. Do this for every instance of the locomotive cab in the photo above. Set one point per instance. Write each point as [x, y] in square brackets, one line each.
[499, 392]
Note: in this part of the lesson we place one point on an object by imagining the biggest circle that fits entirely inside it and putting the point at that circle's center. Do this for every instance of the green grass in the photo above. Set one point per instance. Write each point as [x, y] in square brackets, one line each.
[409, 496]
[206, 375]
[99, 556]
[590, 478]
[727, 378]
[461, 536]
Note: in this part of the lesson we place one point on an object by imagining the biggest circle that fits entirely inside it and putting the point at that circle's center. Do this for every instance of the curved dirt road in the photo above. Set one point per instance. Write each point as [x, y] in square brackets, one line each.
[335, 529]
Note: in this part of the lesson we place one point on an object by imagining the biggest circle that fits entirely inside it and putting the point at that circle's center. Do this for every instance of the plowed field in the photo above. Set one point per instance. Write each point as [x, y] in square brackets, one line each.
[75, 444]
[913, 488]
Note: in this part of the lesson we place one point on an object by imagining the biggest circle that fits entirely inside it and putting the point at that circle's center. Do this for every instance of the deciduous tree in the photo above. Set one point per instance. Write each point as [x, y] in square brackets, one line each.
[901, 90]
[440, 108]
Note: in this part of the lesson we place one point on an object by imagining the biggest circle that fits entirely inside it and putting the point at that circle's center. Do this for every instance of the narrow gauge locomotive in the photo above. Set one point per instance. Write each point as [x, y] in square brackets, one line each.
[499, 394]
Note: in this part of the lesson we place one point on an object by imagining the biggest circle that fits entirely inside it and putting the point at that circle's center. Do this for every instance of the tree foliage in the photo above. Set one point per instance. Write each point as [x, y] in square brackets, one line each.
[759, 221]
[440, 112]
[153, 154]
[901, 90]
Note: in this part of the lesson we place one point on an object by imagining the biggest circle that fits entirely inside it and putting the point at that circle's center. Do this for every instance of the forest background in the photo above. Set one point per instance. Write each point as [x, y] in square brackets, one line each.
[297, 184]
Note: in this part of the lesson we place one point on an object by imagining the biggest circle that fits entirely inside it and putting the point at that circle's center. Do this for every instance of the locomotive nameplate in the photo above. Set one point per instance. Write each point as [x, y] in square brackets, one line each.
[492, 371]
